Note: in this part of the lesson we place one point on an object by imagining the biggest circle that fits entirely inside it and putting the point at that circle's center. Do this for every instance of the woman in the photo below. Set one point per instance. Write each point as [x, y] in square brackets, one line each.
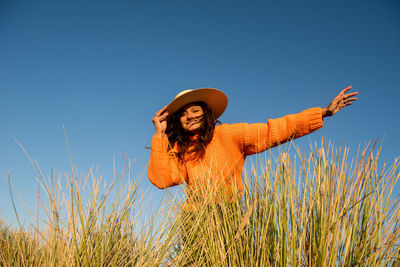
[189, 147]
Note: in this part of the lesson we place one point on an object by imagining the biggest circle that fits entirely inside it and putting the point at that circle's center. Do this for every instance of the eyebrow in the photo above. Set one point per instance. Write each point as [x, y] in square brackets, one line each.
[191, 109]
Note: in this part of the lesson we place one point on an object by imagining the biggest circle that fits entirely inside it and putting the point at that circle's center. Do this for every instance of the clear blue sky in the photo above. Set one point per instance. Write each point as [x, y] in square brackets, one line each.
[103, 68]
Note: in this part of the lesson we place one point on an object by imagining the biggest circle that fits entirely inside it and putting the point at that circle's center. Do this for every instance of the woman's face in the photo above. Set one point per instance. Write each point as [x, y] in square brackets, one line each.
[191, 117]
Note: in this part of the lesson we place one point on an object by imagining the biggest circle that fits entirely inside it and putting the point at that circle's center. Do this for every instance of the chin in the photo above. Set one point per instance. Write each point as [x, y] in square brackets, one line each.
[192, 129]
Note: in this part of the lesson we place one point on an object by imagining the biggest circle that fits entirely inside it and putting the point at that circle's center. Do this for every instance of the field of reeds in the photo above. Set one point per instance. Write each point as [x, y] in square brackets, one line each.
[319, 209]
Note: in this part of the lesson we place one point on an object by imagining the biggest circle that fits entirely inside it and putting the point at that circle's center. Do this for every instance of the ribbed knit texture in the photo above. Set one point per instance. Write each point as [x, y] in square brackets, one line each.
[224, 157]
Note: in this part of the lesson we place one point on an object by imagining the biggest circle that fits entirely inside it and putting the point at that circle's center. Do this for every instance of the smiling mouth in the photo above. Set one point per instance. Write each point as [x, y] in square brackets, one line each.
[193, 122]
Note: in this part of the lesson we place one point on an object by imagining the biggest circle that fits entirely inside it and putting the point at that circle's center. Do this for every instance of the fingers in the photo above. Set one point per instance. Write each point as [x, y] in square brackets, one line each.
[348, 104]
[160, 118]
[351, 94]
[347, 97]
[341, 95]
[161, 115]
[346, 89]
[161, 111]
[350, 99]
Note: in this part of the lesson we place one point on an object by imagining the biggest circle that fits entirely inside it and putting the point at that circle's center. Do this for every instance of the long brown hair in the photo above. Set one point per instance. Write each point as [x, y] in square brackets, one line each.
[176, 134]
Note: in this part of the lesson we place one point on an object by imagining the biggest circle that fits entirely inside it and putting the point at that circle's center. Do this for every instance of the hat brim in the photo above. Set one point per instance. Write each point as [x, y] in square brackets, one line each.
[215, 99]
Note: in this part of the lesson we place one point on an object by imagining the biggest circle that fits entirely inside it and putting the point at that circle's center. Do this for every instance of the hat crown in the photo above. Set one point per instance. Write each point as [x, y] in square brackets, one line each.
[183, 92]
[215, 99]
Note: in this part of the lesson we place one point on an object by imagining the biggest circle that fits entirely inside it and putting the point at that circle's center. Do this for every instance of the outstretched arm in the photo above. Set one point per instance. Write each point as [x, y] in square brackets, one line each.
[340, 101]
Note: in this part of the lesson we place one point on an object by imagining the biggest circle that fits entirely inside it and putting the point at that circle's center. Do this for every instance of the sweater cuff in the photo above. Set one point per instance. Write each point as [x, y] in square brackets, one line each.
[315, 118]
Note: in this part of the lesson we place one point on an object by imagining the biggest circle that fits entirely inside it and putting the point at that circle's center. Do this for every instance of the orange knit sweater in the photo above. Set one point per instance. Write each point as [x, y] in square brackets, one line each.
[224, 157]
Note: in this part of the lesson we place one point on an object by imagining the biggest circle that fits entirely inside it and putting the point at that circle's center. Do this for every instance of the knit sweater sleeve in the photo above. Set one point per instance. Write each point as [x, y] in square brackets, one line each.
[258, 137]
[165, 169]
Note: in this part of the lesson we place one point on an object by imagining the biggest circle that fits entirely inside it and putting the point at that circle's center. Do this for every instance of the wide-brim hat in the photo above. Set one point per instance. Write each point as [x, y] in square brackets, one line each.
[215, 99]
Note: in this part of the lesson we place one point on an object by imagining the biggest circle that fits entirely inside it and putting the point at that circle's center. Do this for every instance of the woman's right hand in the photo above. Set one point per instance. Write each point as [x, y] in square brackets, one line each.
[160, 121]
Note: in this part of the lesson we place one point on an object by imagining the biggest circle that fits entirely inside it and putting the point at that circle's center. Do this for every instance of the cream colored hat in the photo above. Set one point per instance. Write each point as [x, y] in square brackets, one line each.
[214, 98]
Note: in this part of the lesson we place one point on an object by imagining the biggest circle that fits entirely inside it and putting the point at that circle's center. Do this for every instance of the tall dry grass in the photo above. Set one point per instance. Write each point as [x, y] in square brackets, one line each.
[320, 209]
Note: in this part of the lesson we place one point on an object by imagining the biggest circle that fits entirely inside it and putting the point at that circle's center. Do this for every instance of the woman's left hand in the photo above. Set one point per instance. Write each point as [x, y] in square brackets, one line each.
[340, 101]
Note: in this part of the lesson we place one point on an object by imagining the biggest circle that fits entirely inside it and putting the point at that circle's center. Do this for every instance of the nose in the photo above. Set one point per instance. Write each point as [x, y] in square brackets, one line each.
[190, 115]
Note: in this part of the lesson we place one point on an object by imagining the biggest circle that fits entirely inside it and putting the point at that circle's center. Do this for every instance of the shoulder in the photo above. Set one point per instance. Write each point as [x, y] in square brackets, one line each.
[229, 129]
